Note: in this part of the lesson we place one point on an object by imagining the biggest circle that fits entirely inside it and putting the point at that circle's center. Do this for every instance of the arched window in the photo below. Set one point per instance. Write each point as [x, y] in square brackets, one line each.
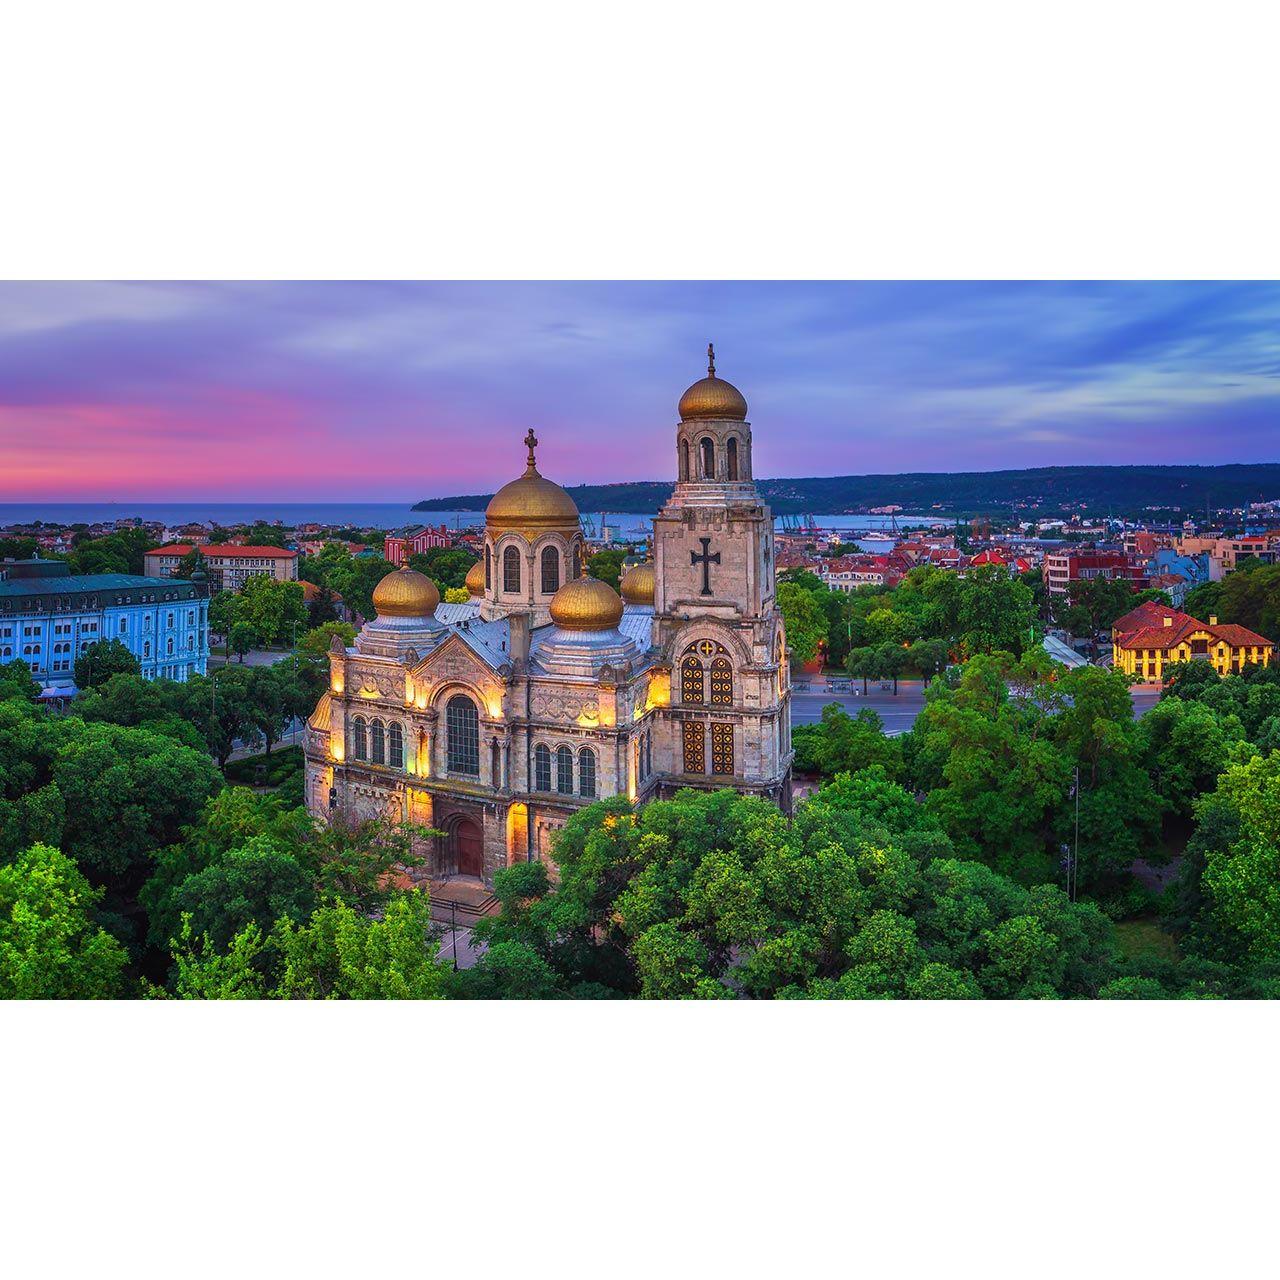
[691, 680]
[577, 561]
[587, 773]
[488, 569]
[359, 739]
[708, 450]
[731, 457]
[511, 569]
[721, 681]
[542, 767]
[722, 749]
[564, 771]
[684, 460]
[378, 743]
[462, 728]
[395, 746]
[550, 571]
[495, 765]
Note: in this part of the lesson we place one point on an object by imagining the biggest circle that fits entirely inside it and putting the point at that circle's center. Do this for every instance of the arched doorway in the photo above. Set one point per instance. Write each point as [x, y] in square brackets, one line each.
[468, 848]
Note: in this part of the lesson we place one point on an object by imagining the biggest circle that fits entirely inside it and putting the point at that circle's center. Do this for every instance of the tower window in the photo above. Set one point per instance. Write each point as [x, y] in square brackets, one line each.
[488, 569]
[359, 739]
[395, 746]
[587, 773]
[684, 460]
[731, 457]
[462, 726]
[694, 742]
[550, 571]
[564, 771]
[692, 688]
[378, 740]
[708, 449]
[542, 767]
[722, 749]
[511, 569]
[721, 682]
[577, 561]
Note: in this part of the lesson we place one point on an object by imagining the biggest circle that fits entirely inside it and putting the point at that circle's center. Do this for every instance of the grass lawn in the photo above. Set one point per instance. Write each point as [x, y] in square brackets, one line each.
[1140, 938]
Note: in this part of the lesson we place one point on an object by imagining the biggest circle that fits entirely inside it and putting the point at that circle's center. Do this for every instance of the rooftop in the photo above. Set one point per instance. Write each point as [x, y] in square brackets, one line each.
[224, 550]
[79, 584]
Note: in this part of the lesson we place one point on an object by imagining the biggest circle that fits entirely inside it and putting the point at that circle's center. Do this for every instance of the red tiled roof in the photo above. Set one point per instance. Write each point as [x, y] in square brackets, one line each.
[1148, 614]
[1162, 637]
[225, 549]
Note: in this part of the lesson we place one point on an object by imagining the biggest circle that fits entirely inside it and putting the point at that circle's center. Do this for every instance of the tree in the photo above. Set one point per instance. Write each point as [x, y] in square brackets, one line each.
[275, 610]
[51, 947]
[607, 566]
[318, 639]
[242, 638]
[456, 595]
[158, 705]
[842, 743]
[222, 611]
[447, 567]
[1184, 747]
[804, 619]
[102, 660]
[356, 579]
[16, 681]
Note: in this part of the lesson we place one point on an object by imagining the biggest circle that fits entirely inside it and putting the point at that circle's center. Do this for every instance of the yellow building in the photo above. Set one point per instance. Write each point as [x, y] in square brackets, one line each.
[1152, 637]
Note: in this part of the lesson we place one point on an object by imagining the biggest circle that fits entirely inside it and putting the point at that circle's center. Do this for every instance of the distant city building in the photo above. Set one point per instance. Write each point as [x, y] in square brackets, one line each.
[399, 546]
[1225, 553]
[48, 617]
[1147, 640]
[1062, 568]
[229, 566]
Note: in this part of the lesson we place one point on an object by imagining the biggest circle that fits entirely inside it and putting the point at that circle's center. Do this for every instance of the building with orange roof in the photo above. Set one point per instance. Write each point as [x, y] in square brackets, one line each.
[228, 565]
[1153, 637]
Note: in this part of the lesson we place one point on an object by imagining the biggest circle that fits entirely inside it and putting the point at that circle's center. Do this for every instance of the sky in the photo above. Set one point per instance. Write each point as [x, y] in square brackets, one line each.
[398, 391]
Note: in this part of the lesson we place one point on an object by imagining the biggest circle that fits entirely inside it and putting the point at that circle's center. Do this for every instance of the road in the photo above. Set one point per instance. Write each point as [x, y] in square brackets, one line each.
[899, 711]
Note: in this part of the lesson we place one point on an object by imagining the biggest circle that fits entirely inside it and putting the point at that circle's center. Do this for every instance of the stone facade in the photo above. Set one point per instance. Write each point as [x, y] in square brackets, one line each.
[492, 722]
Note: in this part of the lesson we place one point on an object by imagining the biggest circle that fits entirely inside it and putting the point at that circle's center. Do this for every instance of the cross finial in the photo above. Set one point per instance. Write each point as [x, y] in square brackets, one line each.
[711, 360]
[531, 441]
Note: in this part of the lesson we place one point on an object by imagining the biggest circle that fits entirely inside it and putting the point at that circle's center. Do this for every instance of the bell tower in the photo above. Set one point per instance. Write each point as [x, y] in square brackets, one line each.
[713, 541]
[715, 616]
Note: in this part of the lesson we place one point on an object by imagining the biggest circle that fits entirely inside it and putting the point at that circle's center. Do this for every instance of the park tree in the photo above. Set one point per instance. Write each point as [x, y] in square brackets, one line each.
[356, 579]
[51, 946]
[242, 639]
[805, 621]
[447, 567]
[275, 610]
[606, 565]
[16, 681]
[318, 639]
[841, 743]
[102, 660]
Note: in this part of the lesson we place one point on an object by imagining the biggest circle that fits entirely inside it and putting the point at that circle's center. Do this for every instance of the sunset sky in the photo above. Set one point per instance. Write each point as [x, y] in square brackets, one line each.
[399, 391]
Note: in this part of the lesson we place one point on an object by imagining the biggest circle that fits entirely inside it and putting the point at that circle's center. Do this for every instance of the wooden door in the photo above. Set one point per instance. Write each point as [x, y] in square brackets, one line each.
[469, 846]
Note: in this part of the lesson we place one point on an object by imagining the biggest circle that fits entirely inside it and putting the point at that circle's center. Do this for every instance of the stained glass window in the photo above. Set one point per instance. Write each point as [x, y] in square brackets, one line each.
[462, 726]
[564, 771]
[722, 749]
[395, 746]
[695, 759]
[542, 767]
[359, 739]
[587, 772]
[550, 571]
[379, 742]
[511, 569]
[691, 680]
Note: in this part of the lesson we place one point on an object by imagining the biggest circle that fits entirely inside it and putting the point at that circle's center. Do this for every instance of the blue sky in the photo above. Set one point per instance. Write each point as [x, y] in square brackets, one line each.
[405, 390]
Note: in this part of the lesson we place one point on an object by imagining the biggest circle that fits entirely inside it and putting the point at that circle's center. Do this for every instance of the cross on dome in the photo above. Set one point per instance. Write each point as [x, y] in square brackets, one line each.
[531, 441]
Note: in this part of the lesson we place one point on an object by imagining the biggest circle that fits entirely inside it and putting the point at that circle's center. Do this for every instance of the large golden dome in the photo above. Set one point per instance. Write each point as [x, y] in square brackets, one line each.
[475, 579]
[586, 604]
[637, 584]
[713, 397]
[406, 593]
[532, 502]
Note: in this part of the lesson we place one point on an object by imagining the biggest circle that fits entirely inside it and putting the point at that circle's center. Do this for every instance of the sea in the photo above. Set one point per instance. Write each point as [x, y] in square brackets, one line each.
[360, 515]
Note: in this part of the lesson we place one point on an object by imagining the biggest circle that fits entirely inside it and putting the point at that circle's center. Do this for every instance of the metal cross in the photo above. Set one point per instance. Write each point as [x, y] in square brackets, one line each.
[706, 560]
[531, 441]
[711, 360]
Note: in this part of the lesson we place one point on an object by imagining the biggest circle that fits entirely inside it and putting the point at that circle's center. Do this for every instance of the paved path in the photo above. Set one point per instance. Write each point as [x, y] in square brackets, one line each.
[254, 658]
[899, 711]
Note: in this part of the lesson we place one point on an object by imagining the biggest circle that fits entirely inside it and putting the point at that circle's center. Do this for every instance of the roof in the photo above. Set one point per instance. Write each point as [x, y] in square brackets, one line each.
[82, 583]
[1162, 637]
[224, 550]
[319, 718]
[1063, 653]
[1148, 614]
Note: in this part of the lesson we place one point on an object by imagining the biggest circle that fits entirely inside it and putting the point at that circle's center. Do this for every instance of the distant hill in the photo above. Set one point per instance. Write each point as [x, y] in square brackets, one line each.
[1122, 489]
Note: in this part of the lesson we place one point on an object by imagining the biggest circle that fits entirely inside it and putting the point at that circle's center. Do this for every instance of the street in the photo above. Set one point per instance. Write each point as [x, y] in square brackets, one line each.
[899, 711]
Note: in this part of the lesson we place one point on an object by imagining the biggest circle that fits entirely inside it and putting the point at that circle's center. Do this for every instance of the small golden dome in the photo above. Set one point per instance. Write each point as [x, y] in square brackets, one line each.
[406, 593]
[713, 397]
[586, 604]
[637, 584]
[531, 502]
[475, 579]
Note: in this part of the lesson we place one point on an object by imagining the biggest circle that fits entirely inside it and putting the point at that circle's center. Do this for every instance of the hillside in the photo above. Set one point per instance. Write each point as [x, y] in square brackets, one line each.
[1127, 489]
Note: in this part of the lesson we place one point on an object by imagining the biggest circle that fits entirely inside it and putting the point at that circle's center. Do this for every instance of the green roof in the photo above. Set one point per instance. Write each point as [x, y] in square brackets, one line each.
[87, 583]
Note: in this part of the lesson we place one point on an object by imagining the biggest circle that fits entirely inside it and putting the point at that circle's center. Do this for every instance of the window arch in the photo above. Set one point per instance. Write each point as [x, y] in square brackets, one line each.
[488, 568]
[550, 570]
[707, 449]
[577, 561]
[511, 569]
[495, 764]
[587, 773]
[564, 771]
[542, 767]
[721, 681]
[692, 684]
[731, 458]
[395, 746]
[359, 739]
[684, 459]
[462, 731]
[377, 743]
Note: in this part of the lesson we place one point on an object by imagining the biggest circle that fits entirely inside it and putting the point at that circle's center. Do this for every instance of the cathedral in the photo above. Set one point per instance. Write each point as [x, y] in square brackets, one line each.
[492, 722]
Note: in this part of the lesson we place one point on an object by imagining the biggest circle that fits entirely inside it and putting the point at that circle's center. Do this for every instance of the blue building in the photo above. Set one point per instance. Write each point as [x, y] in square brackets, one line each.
[48, 617]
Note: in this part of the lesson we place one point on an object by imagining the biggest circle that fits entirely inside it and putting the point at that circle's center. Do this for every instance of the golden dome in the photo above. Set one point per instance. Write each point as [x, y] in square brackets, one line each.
[713, 397]
[637, 584]
[406, 593]
[532, 502]
[586, 604]
[475, 579]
